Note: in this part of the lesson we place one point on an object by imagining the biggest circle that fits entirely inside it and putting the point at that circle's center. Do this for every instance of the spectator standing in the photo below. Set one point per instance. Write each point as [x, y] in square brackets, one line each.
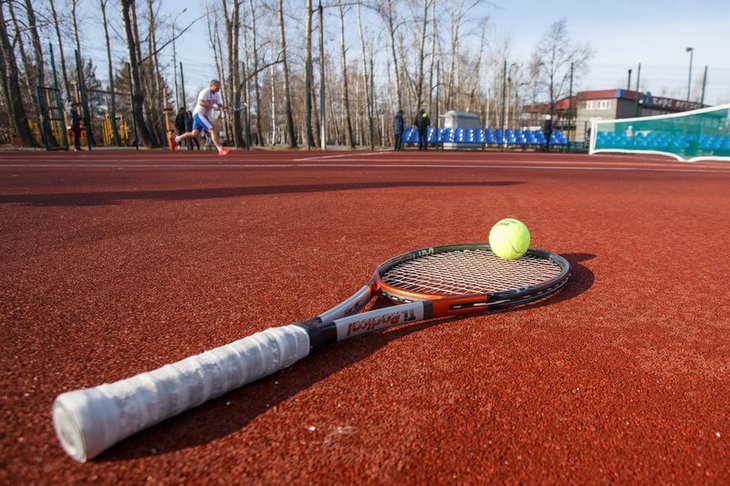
[422, 121]
[180, 121]
[398, 127]
[547, 130]
[75, 126]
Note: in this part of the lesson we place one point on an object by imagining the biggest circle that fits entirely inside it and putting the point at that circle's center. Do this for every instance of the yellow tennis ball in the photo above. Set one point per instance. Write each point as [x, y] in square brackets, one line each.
[509, 239]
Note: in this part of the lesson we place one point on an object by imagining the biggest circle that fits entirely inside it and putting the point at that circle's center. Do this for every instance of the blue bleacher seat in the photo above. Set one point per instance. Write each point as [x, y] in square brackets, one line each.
[557, 138]
[530, 138]
[509, 136]
[447, 136]
[406, 137]
[459, 135]
[498, 136]
[431, 135]
[479, 136]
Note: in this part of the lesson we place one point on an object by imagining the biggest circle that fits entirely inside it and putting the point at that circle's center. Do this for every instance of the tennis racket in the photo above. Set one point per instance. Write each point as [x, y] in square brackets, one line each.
[428, 283]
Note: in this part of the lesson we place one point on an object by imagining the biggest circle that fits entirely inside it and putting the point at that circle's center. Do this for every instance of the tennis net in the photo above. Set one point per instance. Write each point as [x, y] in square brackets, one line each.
[688, 136]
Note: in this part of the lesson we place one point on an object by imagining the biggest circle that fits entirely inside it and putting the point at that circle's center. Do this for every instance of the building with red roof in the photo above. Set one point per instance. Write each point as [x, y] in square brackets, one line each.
[574, 115]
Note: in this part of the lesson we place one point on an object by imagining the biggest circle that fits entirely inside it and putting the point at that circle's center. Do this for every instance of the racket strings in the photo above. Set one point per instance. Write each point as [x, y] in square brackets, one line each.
[469, 271]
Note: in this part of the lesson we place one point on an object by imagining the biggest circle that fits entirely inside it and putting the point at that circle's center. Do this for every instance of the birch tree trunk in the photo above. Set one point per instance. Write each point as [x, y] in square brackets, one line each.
[364, 67]
[345, 87]
[287, 95]
[233, 28]
[421, 52]
[29, 79]
[158, 103]
[430, 87]
[80, 71]
[128, 13]
[36, 42]
[396, 71]
[308, 78]
[455, 37]
[60, 49]
[112, 89]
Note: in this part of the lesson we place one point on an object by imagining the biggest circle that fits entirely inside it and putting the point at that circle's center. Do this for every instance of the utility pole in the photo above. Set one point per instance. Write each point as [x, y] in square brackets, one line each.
[704, 83]
[174, 60]
[182, 84]
[636, 101]
[691, 51]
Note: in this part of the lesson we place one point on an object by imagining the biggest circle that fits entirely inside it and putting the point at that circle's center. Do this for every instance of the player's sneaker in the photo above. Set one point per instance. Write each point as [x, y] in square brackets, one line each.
[224, 151]
[173, 143]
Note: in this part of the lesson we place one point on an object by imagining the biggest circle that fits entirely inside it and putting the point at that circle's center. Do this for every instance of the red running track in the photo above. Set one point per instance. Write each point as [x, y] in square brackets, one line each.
[115, 263]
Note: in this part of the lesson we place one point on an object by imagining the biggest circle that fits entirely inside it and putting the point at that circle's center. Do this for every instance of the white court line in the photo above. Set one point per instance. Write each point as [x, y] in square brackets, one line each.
[323, 157]
[362, 166]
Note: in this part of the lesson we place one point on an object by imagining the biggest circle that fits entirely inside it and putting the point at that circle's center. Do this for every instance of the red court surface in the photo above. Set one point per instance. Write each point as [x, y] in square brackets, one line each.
[114, 263]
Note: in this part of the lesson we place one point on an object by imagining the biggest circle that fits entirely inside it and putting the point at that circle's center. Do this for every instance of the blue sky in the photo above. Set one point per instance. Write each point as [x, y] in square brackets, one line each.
[627, 32]
[623, 33]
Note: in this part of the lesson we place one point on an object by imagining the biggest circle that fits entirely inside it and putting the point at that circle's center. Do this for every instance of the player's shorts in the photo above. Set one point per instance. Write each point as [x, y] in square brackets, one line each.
[201, 122]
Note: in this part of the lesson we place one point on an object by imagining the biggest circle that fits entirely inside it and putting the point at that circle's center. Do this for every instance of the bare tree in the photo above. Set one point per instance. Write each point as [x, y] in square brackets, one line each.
[552, 58]
[434, 36]
[35, 38]
[308, 74]
[345, 87]
[128, 10]
[216, 46]
[11, 85]
[59, 38]
[287, 91]
[477, 67]
[112, 90]
[387, 12]
[421, 53]
[157, 105]
[233, 29]
[24, 57]
[255, 74]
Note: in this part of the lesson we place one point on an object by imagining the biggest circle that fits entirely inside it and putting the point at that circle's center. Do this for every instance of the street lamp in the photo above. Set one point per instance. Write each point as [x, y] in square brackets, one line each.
[691, 51]
[174, 60]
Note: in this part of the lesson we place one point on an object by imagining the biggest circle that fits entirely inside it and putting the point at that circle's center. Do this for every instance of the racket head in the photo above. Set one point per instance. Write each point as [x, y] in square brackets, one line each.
[469, 277]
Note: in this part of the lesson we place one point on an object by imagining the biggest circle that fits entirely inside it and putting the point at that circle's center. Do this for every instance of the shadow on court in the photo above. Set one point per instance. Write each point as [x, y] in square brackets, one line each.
[118, 197]
[236, 409]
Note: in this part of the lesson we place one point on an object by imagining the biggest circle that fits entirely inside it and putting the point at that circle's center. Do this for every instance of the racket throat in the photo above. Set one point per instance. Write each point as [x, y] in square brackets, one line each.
[320, 334]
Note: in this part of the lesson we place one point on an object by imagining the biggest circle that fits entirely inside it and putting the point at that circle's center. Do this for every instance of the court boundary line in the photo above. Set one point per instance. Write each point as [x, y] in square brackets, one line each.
[118, 166]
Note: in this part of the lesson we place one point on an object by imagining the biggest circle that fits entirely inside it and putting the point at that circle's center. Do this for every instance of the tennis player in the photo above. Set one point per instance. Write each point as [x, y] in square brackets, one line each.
[209, 99]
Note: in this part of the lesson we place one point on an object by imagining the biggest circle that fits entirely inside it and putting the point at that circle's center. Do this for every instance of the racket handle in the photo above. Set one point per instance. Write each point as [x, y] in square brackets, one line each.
[90, 420]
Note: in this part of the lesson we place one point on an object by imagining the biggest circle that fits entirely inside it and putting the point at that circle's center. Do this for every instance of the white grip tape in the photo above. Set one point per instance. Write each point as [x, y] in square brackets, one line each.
[90, 420]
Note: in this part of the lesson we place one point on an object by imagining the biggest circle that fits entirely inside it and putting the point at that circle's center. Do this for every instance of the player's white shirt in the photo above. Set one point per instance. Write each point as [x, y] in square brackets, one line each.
[208, 97]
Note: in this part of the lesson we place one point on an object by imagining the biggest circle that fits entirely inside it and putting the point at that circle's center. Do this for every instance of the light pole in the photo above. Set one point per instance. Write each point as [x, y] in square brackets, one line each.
[174, 61]
[691, 51]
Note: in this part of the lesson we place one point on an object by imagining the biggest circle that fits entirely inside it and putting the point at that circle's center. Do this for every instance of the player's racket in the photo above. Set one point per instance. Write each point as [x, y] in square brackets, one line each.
[428, 283]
